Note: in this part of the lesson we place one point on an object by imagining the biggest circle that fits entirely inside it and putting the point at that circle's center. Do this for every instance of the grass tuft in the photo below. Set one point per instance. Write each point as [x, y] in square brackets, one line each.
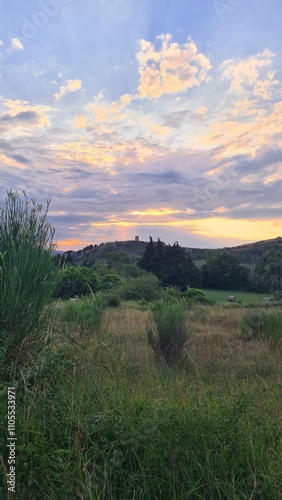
[168, 331]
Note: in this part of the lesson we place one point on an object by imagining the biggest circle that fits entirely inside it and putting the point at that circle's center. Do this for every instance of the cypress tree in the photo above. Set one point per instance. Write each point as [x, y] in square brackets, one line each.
[147, 261]
[179, 269]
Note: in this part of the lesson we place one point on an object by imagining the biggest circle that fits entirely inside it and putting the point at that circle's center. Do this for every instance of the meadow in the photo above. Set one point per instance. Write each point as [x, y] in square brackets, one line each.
[241, 297]
[99, 418]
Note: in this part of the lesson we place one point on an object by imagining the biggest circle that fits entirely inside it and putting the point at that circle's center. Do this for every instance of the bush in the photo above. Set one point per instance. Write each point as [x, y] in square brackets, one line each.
[262, 325]
[110, 281]
[87, 313]
[172, 295]
[113, 301]
[76, 281]
[168, 331]
[194, 294]
[27, 279]
[145, 287]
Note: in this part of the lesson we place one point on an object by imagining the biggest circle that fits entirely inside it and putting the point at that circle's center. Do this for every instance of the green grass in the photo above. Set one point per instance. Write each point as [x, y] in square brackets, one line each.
[221, 296]
[100, 419]
[84, 314]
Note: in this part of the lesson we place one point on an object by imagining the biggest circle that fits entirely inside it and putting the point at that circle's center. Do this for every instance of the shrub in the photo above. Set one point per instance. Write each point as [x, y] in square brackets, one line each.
[168, 331]
[110, 281]
[262, 324]
[113, 301]
[194, 294]
[145, 287]
[76, 281]
[87, 313]
[27, 279]
[172, 294]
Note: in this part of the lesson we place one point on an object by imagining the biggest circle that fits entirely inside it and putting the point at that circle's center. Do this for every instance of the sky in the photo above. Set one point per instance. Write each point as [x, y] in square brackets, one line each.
[157, 118]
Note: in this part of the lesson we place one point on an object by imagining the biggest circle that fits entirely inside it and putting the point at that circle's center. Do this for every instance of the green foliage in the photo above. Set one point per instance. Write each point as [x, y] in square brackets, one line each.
[117, 258]
[148, 260]
[274, 274]
[223, 271]
[171, 264]
[178, 269]
[110, 281]
[262, 324]
[168, 331]
[81, 420]
[86, 313]
[113, 301]
[173, 294]
[76, 281]
[27, 279]
[194, 294]
[101, 267]
[145, 287]
[130, 271]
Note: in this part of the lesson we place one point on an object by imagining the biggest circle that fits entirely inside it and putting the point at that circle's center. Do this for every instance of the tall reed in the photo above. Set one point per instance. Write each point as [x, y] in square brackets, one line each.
[27, 279]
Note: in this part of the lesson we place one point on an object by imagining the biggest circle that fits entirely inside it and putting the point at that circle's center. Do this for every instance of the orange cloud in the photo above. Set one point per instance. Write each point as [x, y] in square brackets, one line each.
[17, 106]
[247, 230]
[251, 74]
[155, 212]
[171, 69]
[71, 86]
[80, 121]
[71, 243]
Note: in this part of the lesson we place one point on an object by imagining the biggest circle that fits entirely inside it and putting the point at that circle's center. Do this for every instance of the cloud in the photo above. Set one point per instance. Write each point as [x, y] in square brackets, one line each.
[22, 117]
[16, 44]
[251, 74]
[71, 86]
[171, 69]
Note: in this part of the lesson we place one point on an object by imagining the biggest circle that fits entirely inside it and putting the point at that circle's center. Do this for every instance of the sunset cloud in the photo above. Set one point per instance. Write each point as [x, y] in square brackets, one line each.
[173, 127]
[251, 75]
[70, 86]
[16, 44]
[170, 68]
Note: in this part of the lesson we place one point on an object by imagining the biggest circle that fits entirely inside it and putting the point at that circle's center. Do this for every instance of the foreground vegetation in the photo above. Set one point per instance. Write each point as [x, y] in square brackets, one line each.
[99, 418]
[170, 395]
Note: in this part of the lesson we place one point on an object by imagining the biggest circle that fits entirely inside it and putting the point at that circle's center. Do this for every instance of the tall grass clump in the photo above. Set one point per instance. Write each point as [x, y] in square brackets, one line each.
[168, 331]
[262, 324]
[27, 279]
[85, 313]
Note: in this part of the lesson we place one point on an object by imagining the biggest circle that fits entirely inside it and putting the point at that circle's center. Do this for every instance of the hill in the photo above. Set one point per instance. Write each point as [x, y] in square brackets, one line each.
[247, 254]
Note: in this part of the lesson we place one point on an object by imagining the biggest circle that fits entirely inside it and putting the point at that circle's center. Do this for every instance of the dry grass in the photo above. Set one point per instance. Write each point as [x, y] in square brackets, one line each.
[216, 354]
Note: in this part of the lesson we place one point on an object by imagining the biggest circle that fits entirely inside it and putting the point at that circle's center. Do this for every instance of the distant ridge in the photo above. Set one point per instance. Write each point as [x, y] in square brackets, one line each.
[248, 253]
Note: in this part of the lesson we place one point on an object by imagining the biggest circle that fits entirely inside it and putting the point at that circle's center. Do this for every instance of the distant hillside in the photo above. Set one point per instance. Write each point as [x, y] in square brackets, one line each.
[252, 252]
[249, 253]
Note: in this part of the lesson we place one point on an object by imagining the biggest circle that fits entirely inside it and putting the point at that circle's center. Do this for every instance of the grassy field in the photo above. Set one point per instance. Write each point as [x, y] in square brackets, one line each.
[98, 418]
[221, 296]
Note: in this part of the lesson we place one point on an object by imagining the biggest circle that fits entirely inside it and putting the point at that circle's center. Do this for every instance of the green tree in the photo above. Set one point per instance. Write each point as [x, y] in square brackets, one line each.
[258, 277]
[27, 279]
[224, 272]
[148, 260]
[77, 280]
[146, 287]
[117, 258]
[110, 281]
[178, 268]
[158, 259]
[273, 278]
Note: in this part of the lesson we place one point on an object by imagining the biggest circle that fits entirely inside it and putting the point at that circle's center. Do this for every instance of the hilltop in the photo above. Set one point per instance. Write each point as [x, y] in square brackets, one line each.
[248, 253]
